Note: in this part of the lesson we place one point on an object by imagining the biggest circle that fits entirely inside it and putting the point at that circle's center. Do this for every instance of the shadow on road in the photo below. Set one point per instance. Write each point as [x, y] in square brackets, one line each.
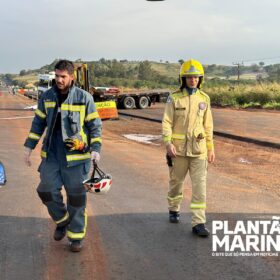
[134, 246]
[147, 246]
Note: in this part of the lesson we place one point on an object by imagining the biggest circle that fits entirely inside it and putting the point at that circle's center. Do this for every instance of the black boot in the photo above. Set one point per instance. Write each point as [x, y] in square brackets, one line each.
[174, 217]
[59, 233]
[75, 245]
[200, 230]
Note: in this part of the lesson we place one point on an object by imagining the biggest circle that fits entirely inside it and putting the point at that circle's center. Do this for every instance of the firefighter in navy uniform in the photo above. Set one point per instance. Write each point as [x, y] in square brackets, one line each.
[72, 140]
[188, 134]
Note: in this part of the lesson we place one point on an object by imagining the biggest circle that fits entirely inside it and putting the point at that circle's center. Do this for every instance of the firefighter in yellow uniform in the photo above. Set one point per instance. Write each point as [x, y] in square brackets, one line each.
[188, 134]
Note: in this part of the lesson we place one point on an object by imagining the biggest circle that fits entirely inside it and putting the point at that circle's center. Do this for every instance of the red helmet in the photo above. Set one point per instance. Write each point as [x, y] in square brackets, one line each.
[100, 184]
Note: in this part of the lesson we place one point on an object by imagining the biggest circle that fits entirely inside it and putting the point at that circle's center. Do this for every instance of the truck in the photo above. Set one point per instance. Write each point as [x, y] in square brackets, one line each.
[107, 99]
[46, 81]
[140, 99]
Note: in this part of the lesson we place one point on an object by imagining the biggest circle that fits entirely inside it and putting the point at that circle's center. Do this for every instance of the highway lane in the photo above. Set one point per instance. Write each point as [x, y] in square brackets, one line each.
[257, 124]
[140, 243]
[262, 125]
[129, 236]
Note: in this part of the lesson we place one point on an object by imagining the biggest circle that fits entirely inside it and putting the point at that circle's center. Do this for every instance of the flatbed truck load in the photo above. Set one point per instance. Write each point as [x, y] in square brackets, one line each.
[107, 99]
[140, 99]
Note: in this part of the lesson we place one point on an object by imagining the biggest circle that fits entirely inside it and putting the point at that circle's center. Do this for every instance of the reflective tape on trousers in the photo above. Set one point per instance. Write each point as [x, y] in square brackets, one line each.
[63, 219]
[198, 205]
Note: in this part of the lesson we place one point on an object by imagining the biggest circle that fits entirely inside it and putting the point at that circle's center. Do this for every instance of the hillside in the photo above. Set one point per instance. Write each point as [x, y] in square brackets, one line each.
[151, 74]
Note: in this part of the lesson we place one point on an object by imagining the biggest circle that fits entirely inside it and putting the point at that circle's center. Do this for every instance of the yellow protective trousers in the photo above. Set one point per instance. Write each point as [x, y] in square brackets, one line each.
[197, 169]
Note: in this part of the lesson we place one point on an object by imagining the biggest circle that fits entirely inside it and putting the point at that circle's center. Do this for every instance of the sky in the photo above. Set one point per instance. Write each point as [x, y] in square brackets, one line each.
[35, 32]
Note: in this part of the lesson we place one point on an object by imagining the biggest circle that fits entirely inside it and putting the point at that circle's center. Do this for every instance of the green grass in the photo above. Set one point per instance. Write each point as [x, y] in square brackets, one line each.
[259, 96]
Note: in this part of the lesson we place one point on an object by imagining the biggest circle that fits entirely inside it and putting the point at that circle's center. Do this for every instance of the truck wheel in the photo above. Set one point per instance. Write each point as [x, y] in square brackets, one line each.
[128, 102]
[142, 102]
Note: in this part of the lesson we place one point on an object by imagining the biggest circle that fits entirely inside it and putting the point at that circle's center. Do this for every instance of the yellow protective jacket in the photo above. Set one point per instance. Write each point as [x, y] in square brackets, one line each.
[188, 124]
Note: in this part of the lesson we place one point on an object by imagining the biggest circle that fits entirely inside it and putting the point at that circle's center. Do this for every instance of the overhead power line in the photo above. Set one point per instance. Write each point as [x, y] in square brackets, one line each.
[262, 59]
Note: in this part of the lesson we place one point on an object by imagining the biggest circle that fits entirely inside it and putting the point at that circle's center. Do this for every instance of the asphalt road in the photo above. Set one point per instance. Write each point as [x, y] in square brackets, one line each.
[257, 124]
[128, 236]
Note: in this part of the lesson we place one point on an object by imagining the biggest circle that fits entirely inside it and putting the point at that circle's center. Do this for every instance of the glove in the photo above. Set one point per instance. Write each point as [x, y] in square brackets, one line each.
[75, 145]
[27, 154]
[95, 157]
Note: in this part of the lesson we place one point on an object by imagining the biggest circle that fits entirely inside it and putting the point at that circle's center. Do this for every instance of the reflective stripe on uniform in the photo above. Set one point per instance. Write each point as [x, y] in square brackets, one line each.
[74, 235]
[78, 157]
[179, 136]
[72, 108]
[78, 235]
[49, 104]
[40, 114]
[97, 139]
[82, 120]
[43, 154]
[34, 136]
[63, 219]
[82, 110]
[91, 116]
[166, 138]
[198, 205]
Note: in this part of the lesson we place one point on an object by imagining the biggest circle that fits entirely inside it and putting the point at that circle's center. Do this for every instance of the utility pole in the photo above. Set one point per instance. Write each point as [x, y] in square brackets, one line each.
[238, 64]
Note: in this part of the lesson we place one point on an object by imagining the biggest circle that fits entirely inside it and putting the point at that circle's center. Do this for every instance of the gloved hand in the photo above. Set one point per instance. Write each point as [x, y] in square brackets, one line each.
[27, 154]
[75, 145]
[95, 156]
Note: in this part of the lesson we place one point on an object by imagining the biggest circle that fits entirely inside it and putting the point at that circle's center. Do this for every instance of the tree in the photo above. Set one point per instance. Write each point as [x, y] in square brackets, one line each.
[102, 60]
[145, 71]
[181, 61]
[22, 73]
[255, 68]
[117, 69]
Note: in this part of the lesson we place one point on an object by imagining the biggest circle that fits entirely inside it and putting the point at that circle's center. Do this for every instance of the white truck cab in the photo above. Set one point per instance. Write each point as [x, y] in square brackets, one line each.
[46, 81]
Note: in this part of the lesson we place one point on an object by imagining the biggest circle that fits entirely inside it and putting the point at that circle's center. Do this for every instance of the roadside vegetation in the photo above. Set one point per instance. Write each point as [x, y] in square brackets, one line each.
[258, 85]
[265, 95]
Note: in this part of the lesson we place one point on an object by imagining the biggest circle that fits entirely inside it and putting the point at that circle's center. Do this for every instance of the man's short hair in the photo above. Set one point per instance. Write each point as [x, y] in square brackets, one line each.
[65, 65]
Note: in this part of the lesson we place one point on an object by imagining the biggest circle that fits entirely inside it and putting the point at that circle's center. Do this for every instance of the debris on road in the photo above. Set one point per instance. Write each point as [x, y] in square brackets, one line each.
[243, 160]
[32, 107]
[143, 138]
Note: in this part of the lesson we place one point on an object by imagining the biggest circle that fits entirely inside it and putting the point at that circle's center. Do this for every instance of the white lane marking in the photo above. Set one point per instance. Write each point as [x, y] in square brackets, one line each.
[16, 118]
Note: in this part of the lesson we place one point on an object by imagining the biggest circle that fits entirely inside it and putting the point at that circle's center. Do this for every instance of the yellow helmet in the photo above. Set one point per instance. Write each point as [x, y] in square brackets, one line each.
[192, 68]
